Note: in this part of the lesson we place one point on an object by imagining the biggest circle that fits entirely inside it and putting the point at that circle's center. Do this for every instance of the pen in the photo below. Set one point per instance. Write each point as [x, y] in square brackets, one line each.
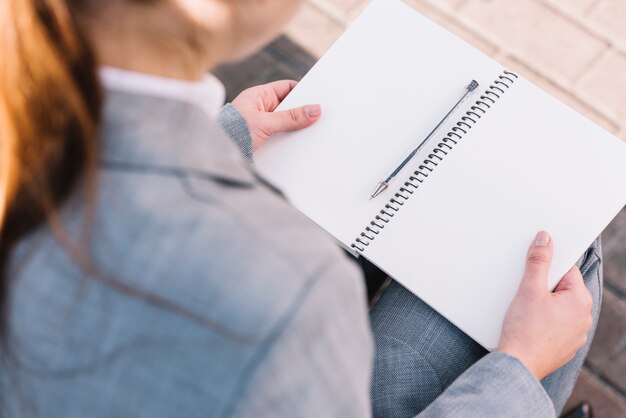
[382, 186]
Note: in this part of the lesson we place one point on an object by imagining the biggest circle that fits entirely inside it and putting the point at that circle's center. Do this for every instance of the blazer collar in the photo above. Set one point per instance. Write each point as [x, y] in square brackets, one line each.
[165, 134]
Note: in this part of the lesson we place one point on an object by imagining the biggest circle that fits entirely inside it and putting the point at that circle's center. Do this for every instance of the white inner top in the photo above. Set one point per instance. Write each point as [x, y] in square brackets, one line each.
[208, 94]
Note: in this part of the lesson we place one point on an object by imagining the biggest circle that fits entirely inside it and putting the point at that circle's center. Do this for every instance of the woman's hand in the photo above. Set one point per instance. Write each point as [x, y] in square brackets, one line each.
[257, 105]
[545, 329]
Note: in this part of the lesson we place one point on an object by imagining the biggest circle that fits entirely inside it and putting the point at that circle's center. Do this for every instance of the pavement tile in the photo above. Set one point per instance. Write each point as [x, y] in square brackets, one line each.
[615, 270]
[435, 14]
[614, 234]
[614, 251]
[446, 5]
[609, 18]
[604, 85]
[314, 30]
[558, 92]
[605, 402]
[341, 10]
[576, 7]
[610, 333]
[239, 76]
[616, 374]
[345, 6]
[282, 59]
[288, 54]
[537, 35]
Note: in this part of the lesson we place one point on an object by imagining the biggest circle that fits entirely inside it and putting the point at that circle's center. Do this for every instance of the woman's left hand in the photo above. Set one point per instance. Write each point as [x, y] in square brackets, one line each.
[257, 105]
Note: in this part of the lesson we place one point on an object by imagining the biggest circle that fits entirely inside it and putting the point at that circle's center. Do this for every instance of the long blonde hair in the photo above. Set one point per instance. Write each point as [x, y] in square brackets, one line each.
[50, 105]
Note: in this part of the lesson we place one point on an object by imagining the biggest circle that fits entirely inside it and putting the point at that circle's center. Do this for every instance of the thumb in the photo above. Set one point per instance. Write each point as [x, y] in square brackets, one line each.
[538, 261]
[292, 119]
[573, 279]
[572, 285]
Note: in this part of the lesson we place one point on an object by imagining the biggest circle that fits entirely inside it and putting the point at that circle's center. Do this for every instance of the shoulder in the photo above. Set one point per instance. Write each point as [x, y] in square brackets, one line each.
[177, 195]
[181, 216]
[190, 258]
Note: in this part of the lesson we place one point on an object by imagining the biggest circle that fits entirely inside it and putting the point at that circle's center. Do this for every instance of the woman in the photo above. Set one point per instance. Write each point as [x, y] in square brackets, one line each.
[147, 270]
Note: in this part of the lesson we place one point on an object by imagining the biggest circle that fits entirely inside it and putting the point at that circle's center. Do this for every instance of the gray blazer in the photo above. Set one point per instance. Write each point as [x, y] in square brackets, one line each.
[201, 293]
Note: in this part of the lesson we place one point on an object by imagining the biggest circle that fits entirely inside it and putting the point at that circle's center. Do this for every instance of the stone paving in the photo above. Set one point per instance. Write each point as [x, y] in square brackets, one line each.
[574, 49]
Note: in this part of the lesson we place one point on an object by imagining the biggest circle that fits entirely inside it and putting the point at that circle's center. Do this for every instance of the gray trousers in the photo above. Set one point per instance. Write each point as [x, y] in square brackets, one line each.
[418, 353]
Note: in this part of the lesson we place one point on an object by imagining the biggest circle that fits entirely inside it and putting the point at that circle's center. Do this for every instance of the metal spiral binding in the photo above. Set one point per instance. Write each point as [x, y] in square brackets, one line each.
[466, 122]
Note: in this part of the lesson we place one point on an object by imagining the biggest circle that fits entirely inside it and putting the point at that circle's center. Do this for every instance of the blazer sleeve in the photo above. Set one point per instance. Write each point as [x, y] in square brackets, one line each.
[237, 129]
[498, 385]
[320, 364]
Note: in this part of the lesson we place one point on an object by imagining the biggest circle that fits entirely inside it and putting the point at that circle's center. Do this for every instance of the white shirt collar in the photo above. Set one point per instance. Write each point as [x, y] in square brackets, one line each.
[208, 94]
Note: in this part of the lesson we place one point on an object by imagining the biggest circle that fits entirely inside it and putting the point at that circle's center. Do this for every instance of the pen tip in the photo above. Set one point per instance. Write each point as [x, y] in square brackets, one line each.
[379, 189]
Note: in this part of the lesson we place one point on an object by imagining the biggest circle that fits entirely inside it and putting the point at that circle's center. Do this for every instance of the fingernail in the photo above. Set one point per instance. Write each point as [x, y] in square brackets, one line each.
[542, 239]
[313, 111]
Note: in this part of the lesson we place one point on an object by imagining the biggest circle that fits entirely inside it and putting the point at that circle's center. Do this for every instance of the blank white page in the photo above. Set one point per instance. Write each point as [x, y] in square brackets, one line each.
[529, 164]
[383, 86]
[460, 242]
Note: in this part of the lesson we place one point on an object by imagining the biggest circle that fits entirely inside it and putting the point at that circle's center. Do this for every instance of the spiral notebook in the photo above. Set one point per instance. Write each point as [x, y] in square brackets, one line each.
[455, 225]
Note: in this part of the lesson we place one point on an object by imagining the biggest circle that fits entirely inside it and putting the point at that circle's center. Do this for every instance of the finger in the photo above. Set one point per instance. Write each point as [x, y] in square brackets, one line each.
[573, 283]
[293, 119]
[282, 88]
[538, 262]
[275, 92]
